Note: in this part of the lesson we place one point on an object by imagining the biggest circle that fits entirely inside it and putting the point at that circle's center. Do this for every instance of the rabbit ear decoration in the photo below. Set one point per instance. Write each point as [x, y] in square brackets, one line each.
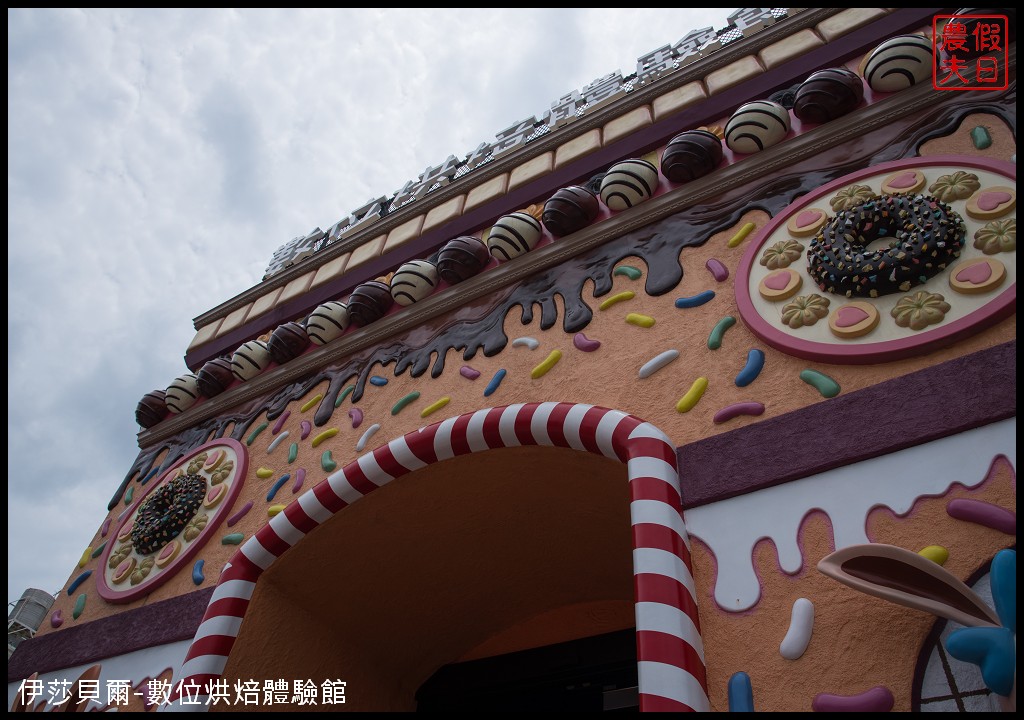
[907, 579]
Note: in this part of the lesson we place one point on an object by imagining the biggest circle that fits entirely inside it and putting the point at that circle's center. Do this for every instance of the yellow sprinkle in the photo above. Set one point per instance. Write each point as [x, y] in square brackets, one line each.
[433, 408]
[741, 235]
[617, 298]
[549, 362]
[264, 473]
[693, 395]
[311, 402]
[325, 435]
[275, 509]
[936, 553]
[85, 557]
[644, 321]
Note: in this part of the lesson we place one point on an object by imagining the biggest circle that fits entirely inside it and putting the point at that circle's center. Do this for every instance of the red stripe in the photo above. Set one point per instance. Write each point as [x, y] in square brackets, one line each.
[421, 442]
[649, 488]
[654, 646]
[650, 535]
[235, 607]
[460, 441]
[240, 562]
[211, 645]
[492, 428]
[387, 462]
[588, 429]
[522, 424]
[299, 518]
[271, 541]
[657, 703]
[323, 492]
[620, 438]
[357, 479]
[650, 587]
[652, 447]
[556, 424]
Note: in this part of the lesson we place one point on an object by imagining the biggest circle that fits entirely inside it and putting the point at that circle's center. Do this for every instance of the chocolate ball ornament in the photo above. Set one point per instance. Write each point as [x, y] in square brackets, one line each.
[215, 377]
[250, 359]
[513, 235]
[827, 95]
[152, 408]
[287, 342]
[569, 210]
[182, 393]
[691, 155]
[628, 183]
[369, 302]
[413, 281]
[461, 258]
[327, 322]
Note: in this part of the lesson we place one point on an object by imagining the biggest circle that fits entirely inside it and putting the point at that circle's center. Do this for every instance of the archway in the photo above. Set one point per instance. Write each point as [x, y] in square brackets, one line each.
[669, 649]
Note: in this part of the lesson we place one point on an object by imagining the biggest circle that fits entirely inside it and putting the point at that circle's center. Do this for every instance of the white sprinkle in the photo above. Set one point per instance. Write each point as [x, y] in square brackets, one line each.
[657, 363]
[366, 436]
[276, 442]
[800, 625]
[532, 343]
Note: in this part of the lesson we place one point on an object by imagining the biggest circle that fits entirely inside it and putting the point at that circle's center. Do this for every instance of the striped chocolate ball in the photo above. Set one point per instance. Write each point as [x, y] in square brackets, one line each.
[899, 63]
[250, 360]
[461, 258]
[827, 95]
[413, 281]
[756, 126]
[182, 393]
[327, 322]
[369, 302]
[215, 377]
[628, 183]
[513, 235]
[691, 155]
[287, 342]
[152, 408]
[569, 210]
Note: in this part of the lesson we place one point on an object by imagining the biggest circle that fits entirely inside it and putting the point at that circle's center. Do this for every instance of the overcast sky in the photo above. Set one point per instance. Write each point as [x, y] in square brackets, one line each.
[157, 159]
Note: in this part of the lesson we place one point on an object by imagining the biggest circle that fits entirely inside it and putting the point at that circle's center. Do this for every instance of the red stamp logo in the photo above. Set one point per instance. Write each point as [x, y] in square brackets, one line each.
[970, 52]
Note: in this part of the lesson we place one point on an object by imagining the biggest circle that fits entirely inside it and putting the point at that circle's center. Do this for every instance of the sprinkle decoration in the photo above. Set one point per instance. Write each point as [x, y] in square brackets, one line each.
[750, 371]
[378, 381]
[277, 441]
[197, 572]
[255, 433]
[77, 582]
[715, 338]
[57, 618]
[306, 428]
[129, 495]
[86, 554]
[821, 382]
[693, 395]
[327, 462]
[980, 137]
[280, 422]
[293, 452]
[936, 553]
[275, 509]
[628, 271]
[741, 694]
[617, 298]
[328, 434]
[695, 300]
[549, 362]
[492, 386]
[741, 235]
[469, 373]
[657, 363]
[434, 407]
[300, 476]
[311, 403]
[530, 342]
[240, 514]
[232, 539]
[366, 436]
[96, 553]
[79, 607]
[718, 270]
[983, 513]
[277, 486]
[264, 472]
[105, 528]
[644, 321]
[356, 416]
[344, 394]
[582, 342]
[404, 402]
[736, 409]
[150, 475]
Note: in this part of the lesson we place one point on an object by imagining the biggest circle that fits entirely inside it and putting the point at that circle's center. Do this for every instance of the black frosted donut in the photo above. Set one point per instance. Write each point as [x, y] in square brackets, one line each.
[923, 234]
[167, 512]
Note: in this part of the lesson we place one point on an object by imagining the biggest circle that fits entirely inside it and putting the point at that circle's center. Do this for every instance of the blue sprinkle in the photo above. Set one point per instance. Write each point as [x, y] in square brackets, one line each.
[277, 486]
[495, 382]
[197, 572]
[378, 381]
[78, 581]
[1004, 587]
[741, 694]
[150, 475]
[695, 301]
[755, 362]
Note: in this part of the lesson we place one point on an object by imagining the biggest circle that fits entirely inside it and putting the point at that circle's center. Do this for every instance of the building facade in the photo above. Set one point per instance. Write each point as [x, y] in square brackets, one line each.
[697, 393]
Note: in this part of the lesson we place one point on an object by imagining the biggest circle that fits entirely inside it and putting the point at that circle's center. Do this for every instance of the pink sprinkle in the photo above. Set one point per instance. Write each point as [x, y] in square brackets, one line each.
[718, 270]
[57, 619]
[469, 373]
[280, 422]
[300, 476]
[356, 415]
[582, 342]
[736, 409]
[877, 699]
[106, 528]
[983, 513]
[240, 514]
[306, 429]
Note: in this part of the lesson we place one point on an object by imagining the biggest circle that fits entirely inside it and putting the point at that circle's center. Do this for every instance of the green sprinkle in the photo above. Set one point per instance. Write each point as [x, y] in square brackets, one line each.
[97, 551]
[981, 138]
[344, 394]
[293, 452]
[715, 338]
[79, 607]
[629, 271]
[821, 382]
[232, 539]
[327, 462]
[129, 495]
[255, 433]
[401, 404]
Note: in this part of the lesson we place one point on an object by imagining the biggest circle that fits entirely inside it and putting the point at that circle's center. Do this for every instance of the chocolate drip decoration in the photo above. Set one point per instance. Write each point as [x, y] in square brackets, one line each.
[569, 210]
[151, 409]
[691, 155]
[287, 342]
[370, 302]
[461, 258]
[215, 377]
[828, 94]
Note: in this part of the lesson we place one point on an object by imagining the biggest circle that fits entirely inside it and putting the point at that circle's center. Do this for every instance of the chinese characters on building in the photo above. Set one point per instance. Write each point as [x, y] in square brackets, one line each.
[970, 52]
